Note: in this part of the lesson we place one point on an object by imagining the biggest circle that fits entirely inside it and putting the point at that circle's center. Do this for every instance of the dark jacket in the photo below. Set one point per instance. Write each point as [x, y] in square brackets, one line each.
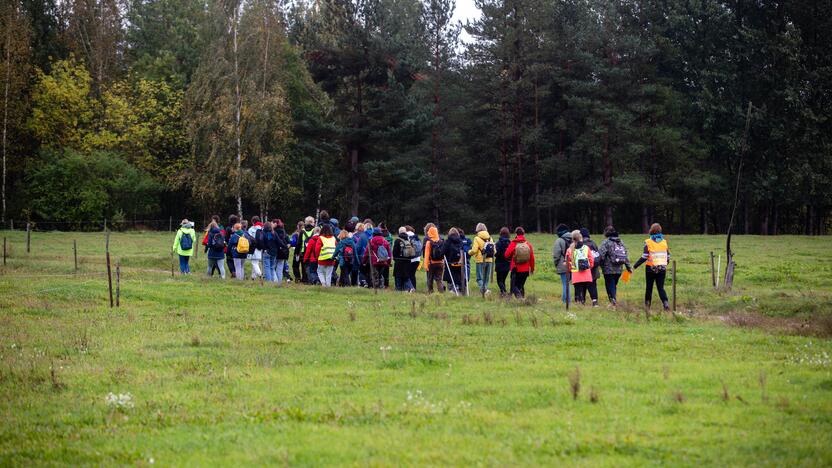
[232, 244]
[454, 250]
[559, 252]
[269, 241]
[371, 254]
[401, 264]
[215, 252]
[502, 264]
[606, 258]
[593, 248]
[340, 250]
[282, 241]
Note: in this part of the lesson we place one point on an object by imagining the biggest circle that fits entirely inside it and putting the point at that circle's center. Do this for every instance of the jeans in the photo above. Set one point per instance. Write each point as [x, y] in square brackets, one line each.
[325, 274]
[184, 268]
[518, 283]
[268, 266]
[312, 272]
[658, 278]
[501, 281]
[239, 271]
[216, 264]
[403, 283]
[484, 275]
[582, 288]
[611, 284]
[435, 272]
[279, 269]
[564, 282]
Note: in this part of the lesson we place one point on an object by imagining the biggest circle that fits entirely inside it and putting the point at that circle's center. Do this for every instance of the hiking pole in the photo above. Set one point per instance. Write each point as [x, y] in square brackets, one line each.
[450, 275]
[568, 287]
[467, 270]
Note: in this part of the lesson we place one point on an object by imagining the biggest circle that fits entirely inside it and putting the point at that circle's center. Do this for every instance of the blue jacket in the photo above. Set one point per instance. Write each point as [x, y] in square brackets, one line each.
[339, 253]
[232, 245]
[215, 252]
[361, 244]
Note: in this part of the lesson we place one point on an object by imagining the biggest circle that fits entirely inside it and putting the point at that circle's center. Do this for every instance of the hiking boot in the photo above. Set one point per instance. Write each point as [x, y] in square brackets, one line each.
[666, 306]
[594, 304]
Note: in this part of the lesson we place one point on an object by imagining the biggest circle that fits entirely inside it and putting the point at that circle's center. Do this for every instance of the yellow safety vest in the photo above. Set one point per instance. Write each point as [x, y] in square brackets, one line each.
[656, 252]
[327, 248]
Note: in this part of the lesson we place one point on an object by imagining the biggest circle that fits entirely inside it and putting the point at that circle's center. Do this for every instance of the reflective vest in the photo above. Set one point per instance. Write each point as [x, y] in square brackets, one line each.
[327, 248]
[656, 252]
[304, 239]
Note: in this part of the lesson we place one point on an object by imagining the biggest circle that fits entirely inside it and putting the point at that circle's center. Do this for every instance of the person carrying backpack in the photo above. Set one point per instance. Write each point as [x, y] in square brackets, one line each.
[415, 261]
[377, 256]
[455, 258]
[216, 249]
[404, 251]
[562, 243]
[229, 255]
[467, 245]
[580, 259]
[325, 255]
[205, 240]
[305, 234]
[521, 254]
[310, 256]
[657, 256]
[239, 247]
[483, 252]
[268, 250]
[347, 258]
[613, 258]
[502, 265]
[434, 259]
[596, 268]
[255, 237]
[282, 250]
[183, 245]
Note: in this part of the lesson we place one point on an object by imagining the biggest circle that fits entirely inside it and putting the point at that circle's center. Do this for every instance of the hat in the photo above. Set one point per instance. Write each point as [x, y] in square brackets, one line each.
[562, 230]
[334, 222]
[354, 220]
[585, 233]
[186, 223]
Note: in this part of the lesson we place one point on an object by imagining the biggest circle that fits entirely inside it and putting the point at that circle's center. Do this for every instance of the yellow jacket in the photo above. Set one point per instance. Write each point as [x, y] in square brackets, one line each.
[478, 246]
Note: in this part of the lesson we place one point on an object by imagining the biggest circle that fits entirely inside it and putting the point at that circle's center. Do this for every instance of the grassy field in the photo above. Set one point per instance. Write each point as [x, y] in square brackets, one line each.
[219, 372]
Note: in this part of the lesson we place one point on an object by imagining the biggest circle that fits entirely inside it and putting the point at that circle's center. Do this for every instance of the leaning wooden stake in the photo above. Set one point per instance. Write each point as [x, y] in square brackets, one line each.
[28, 237]
[4, 251]
[118, 284]
[171, 264]
[713, 272]
[75, 253]
[674, 286]
[109, 270]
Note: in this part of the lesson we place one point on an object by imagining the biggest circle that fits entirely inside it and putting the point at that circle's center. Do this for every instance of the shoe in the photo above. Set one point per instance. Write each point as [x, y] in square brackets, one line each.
[594, 304]
[666, 306]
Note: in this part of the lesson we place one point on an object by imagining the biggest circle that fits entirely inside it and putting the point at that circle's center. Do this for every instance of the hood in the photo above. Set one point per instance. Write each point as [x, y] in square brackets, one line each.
[258, 223]
[279, 231]
[484, 235]
[433, 234]
[377, 232]
[614, 238]
[585, 233]
[215, 230]
[411, 234]
[404, 236]
[240, 232]
[520, 237]
[567, 237]
[657, 237]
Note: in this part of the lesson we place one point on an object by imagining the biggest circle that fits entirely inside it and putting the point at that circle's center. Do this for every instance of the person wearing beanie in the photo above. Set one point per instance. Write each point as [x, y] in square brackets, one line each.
[613, 257]
[562, 243]
[183, 245]
[403, 252]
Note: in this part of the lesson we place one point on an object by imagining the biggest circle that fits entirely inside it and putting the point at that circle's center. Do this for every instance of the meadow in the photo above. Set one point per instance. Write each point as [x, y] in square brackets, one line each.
[198, 371]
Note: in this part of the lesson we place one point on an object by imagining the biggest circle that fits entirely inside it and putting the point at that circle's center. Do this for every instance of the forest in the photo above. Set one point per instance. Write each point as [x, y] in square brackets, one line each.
[587, 112]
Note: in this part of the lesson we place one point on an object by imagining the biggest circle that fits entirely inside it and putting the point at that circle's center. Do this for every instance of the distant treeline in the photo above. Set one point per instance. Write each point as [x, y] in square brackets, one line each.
[587, 112]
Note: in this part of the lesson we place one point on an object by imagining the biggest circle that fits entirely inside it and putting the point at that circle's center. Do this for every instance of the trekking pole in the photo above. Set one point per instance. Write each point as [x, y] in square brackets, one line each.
[467, 270]
[450, 275]
[568, 288]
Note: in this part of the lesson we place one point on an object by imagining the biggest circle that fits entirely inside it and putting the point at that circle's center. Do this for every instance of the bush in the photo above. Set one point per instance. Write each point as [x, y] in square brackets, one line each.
[77, 188]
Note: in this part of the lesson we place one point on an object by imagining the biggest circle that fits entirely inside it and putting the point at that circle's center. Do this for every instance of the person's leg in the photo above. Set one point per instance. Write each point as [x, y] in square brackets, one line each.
[229, 262]
[182, 260]
[256, 272]
[609, 286]
[501, 282]
[267, 267]
[238, 268]
[280, 270]
[486, 281]
[296, 270]
[480, 267]
[211, 263]
[564, 287]
[398, 283]
[221, 267]
[521, 283]
[649, 278]
[385, 276]
[414, 267]
[593, 292]
[660, 277]
[513, 284]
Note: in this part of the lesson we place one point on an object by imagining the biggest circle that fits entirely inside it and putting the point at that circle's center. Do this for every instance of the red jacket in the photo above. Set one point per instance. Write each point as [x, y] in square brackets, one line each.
[318, 246]
[313, 248]
[526, 267]
[372, 251]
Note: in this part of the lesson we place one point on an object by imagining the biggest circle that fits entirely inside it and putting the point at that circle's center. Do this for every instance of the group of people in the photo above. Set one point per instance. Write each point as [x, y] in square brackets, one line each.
[361, 253]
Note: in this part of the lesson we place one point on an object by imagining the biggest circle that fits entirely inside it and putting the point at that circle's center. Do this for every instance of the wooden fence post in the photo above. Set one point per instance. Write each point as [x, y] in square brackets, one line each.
[118, 283]
[109, 271]
[171, 264]
[4, 251]
[170, 224]
[75, 253]
[28, 237]
[713, 271]
[674, 286]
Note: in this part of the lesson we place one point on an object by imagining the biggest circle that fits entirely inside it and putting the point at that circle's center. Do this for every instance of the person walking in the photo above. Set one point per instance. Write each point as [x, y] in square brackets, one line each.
[268, 250]
[215, 249]
[657, 256]
[455, 258]
[502, 265]
[206, 240]
[417, 260]
[362, 241]
[580, 259]
[613, 258]
[434, 261]
[183, 245]
[403, 252]
[483, 251]
[347, 260]
[282, 250]
[377, 256]
[521, 254]
[239, 246]
[596, 268]
[325, 255]
[256, 240]
[562, 243]
[310, 256]
[305, 234]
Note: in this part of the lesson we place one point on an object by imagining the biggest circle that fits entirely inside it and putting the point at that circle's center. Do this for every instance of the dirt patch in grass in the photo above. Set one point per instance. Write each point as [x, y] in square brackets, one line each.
[819, 325]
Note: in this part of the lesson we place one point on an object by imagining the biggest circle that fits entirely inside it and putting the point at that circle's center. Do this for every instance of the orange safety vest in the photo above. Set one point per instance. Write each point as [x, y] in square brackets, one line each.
[656, 252]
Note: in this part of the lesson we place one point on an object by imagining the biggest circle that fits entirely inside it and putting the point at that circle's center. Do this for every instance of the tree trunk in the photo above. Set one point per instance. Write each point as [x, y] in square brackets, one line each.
[537, 161]
[645, 219]
[775, 219]
[810, 220]
[435, 131]
[764, 222]
[703, 218]
[607, 163]
[238, 104]
[354, 180]
[6, 110]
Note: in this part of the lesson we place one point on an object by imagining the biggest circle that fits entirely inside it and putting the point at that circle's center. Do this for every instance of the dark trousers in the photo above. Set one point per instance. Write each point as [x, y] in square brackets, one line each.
[403, 283]
[297, 267]
[349, 277]
[229, 262]
[518, 283]
[611, 284]
[379, 276]
[364, 276]
[581, 290]
[501, 281]
[435, 272]
[454, 277]
[311, 270]
[658, 278]
[414, 267]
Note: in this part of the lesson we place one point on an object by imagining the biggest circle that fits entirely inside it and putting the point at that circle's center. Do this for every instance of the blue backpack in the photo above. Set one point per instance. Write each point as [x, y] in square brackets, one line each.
[186, 242]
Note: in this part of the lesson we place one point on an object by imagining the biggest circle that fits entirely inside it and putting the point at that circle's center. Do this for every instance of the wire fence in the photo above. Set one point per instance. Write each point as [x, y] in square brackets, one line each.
[45, 225]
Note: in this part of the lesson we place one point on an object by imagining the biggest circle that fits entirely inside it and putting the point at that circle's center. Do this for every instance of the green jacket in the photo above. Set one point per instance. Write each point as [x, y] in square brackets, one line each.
[178, 249]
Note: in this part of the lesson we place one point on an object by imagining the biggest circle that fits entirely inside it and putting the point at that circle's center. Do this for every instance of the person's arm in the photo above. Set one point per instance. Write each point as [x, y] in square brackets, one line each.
[643, 258]
[176, 239]
[474, 247]
[531, 259]
[426, 246]
[510, 251]
[557, 251]
[602, 253]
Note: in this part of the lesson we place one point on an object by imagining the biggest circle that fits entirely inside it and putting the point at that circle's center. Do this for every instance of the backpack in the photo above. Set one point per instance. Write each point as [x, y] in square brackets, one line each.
[186, 241]
[437, 250]
[327, 248]
[618, 253]
[260, 239]
[453, 256]
[217, 242]
[243, 244]
[382, 255]
[349, 255]
[408, 249]
[205, 240]
[489, 250]
[417, 244]
[282, 248]
[522, 253]
[581, 258]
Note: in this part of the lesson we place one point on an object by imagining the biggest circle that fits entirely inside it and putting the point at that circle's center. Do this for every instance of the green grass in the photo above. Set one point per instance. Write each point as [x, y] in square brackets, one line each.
[224, 372]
